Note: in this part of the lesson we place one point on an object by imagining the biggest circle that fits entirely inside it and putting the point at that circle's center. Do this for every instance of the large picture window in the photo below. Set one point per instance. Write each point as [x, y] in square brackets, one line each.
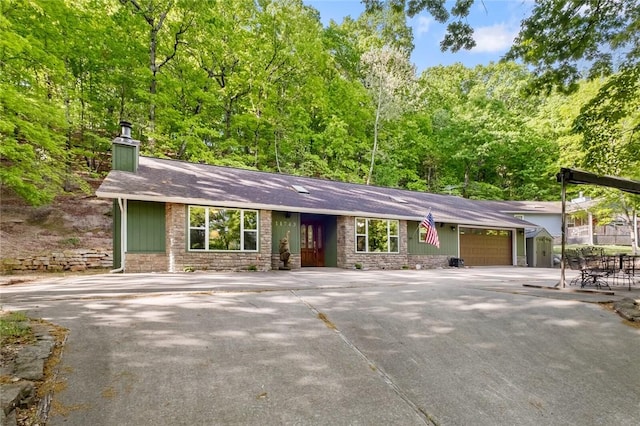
[377, 235]
[218, 229]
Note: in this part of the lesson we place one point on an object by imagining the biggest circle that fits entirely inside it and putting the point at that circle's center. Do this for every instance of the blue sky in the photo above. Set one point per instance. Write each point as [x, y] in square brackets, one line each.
[496, 23]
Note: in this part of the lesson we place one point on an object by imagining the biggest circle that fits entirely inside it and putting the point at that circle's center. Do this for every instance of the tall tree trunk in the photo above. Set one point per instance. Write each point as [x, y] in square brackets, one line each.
[375, 133]
[155, 25]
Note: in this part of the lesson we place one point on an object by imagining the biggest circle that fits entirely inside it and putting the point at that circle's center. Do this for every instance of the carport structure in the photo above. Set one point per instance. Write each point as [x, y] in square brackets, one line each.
[579, 177]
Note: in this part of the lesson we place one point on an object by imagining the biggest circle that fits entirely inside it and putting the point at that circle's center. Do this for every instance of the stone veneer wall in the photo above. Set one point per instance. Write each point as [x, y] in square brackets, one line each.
[179, 259]
[348, 258]
[146, 262]
[67, 260]
[295, 261]
[428, 261]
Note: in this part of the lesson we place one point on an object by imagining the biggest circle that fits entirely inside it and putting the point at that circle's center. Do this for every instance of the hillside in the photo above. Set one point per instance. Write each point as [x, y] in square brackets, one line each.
[72, 221]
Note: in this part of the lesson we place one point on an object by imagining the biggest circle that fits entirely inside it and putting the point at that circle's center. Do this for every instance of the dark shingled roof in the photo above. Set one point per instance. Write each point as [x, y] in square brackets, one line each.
[189, 183]
[541, 207]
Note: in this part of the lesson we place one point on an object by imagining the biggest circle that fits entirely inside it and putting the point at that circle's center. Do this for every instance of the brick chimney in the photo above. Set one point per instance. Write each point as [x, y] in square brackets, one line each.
[125, 151]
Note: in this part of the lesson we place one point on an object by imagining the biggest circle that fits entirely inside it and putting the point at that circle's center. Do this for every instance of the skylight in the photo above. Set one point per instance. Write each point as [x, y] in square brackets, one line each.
[300, 189]
[398, 200]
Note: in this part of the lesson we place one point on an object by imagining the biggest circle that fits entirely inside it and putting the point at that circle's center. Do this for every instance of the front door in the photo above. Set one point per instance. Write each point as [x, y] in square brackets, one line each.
[312, 243]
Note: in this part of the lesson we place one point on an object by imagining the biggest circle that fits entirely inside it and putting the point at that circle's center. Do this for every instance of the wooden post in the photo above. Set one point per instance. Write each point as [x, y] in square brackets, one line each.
[564, 231]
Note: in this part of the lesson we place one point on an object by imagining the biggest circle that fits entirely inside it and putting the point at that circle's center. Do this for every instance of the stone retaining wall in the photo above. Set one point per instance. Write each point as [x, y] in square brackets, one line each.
[67, 260]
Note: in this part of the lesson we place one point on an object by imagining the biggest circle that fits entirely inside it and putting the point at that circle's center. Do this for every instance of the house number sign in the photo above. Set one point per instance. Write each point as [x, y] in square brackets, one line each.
[285, 224]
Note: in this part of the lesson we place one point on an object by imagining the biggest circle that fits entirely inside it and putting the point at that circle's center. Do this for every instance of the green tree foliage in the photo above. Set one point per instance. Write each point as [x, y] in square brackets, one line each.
[389, 78]
[459, 33]
[566, 42]
[483, 143]
[562, 36]
[32, 125]
[261, 84]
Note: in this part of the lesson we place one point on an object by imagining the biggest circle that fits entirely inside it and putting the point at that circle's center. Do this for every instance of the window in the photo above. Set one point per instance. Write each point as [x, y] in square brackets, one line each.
[217, 229]
[377, 235]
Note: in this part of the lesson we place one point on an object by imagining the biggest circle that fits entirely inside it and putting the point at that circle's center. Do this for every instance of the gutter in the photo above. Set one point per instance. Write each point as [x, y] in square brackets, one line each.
[123, 227]
[442, 217]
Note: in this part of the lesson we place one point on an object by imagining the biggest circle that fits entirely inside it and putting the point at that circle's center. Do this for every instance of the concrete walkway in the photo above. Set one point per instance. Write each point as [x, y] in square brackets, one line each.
[327, 346]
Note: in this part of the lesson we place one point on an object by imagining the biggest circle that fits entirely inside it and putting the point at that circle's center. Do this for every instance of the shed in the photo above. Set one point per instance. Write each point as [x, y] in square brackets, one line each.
[539, 248]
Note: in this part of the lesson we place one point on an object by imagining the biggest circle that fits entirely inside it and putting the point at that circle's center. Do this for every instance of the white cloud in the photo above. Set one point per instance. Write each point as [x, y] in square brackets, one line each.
[492, 39]
[423, 25]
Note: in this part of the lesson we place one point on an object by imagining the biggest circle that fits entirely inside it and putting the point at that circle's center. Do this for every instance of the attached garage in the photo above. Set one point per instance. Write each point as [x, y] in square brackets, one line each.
[486, 247]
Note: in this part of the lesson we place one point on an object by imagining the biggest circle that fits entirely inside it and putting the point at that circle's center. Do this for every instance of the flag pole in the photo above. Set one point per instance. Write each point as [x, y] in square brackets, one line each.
[418, 227]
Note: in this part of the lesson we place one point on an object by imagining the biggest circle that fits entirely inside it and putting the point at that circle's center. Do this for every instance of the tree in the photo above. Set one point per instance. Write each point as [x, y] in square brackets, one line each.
[562, 36]
[390, 79]
[165, 35]
[557, 38]
[484, 143]
[32, 124]
[459, 33]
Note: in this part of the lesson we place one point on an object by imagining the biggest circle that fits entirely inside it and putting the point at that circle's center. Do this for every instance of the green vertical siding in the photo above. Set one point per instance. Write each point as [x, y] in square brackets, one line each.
[520, 242]
[448, 240]
[124, 157]
[145, 227]
[117, 240]
[279, 227]
[331, 242]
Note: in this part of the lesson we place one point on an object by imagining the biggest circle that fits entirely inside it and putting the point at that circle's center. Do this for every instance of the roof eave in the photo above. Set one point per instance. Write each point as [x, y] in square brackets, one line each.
[297, 209]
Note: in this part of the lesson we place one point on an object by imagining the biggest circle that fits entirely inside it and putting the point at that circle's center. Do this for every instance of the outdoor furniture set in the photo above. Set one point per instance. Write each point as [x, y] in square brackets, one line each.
[600, 270]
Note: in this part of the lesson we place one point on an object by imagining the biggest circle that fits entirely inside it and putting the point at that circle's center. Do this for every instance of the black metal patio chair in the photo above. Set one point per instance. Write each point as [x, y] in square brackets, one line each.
[629, 271]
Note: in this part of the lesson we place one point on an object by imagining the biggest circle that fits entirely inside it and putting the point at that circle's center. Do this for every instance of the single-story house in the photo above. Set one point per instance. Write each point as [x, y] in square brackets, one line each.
[173, 216]
[543, 214]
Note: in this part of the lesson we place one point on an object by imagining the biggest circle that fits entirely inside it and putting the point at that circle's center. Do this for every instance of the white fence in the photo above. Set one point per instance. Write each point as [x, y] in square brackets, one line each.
[602, 235]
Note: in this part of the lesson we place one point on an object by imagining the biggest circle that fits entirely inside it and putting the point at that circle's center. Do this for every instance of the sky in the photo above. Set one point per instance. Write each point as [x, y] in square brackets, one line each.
[495, 22]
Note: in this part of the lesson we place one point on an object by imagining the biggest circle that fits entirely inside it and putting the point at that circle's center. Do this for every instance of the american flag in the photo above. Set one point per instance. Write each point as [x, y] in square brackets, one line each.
[432, 233]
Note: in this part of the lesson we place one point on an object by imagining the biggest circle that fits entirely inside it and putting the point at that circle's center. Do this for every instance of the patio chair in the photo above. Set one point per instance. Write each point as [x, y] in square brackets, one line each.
[574, 263]
[594, 268]
[597, 270]
[629, 271]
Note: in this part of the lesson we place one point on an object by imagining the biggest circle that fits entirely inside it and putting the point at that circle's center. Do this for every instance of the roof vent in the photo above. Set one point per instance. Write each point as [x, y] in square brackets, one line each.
[300, 189]
[126, 129]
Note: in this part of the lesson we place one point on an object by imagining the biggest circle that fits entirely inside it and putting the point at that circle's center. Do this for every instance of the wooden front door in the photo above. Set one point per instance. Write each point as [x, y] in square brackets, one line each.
[312, 243]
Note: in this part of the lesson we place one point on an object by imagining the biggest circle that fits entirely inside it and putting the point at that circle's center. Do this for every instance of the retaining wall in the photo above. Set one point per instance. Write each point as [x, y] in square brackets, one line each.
[67, 260]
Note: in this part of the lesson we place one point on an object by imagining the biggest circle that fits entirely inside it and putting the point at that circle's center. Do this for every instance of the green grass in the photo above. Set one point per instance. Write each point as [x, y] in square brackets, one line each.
[70, 242]
[608, 250]
[14, 326]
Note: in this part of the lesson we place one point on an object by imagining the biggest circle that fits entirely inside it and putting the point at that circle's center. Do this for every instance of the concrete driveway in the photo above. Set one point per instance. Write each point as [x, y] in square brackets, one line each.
[331, 347]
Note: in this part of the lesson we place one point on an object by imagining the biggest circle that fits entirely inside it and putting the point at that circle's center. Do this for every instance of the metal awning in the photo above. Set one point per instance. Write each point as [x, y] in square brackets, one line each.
[580, 177]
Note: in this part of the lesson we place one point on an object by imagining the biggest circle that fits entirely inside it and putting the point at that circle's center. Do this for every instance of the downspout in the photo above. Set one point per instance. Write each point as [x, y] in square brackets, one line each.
[123, 234]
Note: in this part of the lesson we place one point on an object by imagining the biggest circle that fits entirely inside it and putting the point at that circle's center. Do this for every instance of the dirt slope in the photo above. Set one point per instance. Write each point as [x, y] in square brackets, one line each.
[74, 221]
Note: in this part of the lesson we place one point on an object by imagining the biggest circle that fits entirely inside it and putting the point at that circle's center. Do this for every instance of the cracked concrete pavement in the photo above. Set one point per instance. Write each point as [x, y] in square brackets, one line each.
[326, 346]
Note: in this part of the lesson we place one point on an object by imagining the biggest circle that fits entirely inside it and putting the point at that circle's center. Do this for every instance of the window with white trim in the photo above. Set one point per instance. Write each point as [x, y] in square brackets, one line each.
[377, 235]
[221, 229]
